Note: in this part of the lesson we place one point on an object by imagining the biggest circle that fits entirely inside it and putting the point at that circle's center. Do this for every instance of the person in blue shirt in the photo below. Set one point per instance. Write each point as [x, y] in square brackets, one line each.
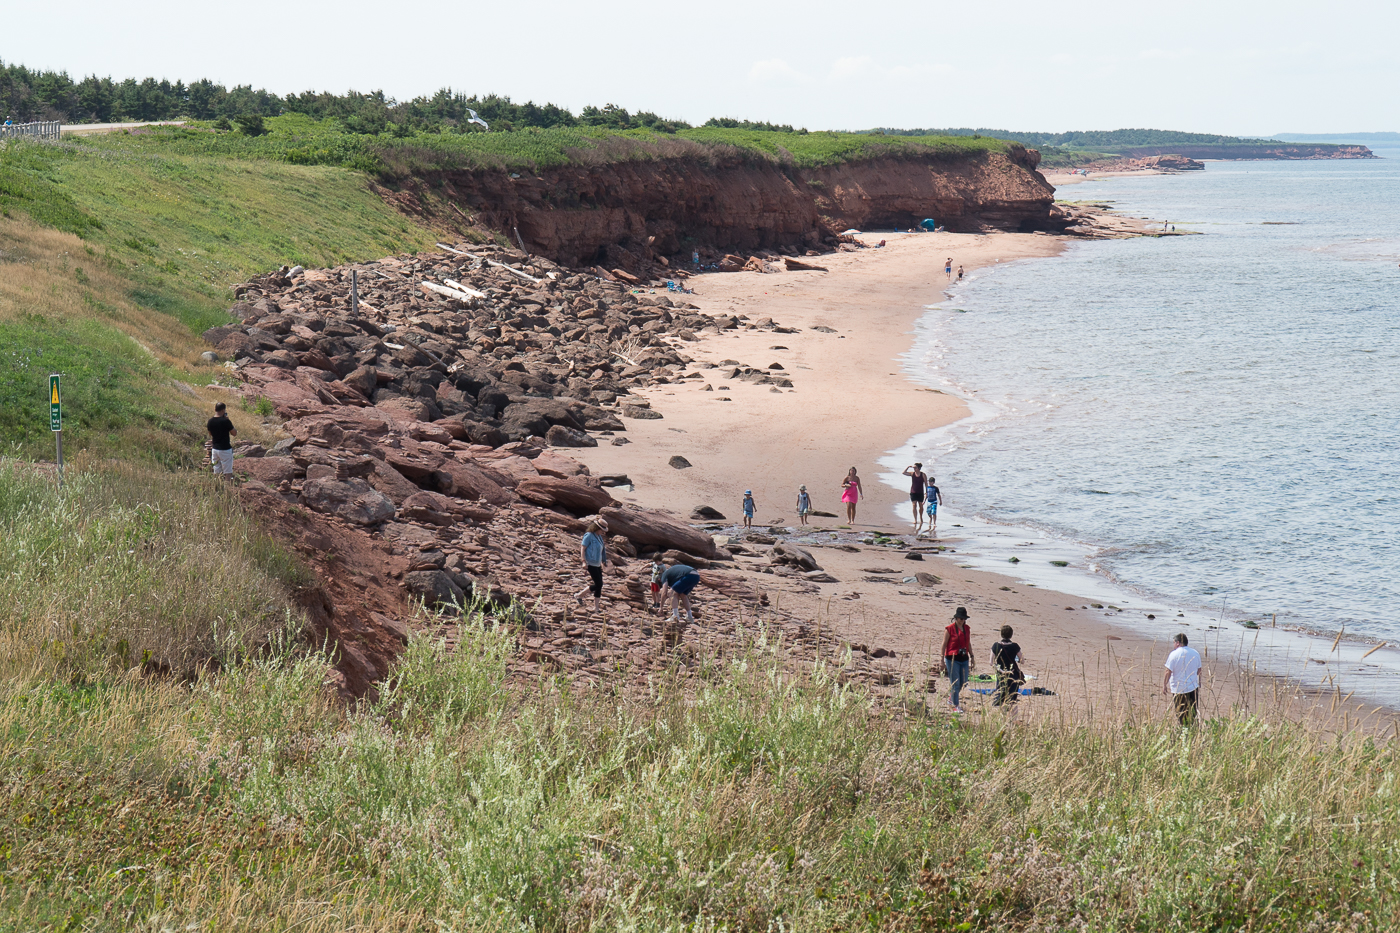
[680, 579]
[748, 508]
[594, 553]
[804, 503]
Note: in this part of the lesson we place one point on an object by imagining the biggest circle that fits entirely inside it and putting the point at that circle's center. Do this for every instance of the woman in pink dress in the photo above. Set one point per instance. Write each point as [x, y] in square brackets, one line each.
[851, 495]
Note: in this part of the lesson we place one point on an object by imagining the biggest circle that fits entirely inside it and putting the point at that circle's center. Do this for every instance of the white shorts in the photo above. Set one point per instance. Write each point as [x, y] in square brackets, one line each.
[223, 461]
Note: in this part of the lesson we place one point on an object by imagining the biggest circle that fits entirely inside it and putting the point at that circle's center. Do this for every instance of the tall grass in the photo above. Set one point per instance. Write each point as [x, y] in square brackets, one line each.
[747, 798]
[133, 567]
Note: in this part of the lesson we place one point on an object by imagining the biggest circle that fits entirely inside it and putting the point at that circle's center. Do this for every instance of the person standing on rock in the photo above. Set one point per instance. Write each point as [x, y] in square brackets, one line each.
[850, 494]
[958, 659]
[679, 580]
[748, 509]
[935, 499]
[594, 553]
[1182, 681]
[916, 493]
[804, 504]
[221, 431]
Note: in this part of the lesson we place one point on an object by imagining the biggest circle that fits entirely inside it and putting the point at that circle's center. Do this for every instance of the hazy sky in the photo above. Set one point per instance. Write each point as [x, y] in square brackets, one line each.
[1225, 66]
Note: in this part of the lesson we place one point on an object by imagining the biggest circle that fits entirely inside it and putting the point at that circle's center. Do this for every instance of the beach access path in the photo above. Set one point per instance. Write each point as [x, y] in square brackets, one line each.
[849, 404]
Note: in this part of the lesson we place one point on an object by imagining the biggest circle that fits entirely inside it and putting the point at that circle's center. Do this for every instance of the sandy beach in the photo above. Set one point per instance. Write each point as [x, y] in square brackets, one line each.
[849, 404]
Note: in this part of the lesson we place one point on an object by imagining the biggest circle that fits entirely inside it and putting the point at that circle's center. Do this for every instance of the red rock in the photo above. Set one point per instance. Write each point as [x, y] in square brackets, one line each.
[353, 500]
[567, 494]
[659, 532]
[552, 463]
[270, 470]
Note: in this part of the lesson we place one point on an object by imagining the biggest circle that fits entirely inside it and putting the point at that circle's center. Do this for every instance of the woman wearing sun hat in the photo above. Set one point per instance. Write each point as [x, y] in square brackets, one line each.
[958, 658]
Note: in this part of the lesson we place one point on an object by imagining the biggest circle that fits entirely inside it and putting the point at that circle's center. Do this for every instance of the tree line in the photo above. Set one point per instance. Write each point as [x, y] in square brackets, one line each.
[28, 96]
[1098, 140]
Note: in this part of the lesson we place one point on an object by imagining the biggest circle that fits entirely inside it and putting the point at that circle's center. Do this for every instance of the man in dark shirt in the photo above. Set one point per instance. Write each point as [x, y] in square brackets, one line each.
[679, 580]
[220, 430]
[1005, 657]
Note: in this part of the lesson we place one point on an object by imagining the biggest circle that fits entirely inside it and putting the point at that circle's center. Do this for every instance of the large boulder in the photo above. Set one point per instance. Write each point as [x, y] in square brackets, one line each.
[793, 556]
[352, 500]
[566, 494]
[271, 470]
[436, 588]
[561, 436]
[654, 531]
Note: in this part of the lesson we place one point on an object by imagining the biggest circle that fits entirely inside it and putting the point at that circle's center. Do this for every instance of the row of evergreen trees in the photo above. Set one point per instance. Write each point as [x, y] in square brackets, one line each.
[28, 96]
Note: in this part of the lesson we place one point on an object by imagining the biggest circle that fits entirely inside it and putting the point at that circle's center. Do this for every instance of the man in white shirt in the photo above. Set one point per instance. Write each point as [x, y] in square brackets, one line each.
[1183, 679]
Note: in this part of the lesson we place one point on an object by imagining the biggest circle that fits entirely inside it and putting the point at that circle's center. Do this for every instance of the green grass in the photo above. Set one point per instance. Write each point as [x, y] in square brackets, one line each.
[298, 139]
[125, 566]
[757, 801]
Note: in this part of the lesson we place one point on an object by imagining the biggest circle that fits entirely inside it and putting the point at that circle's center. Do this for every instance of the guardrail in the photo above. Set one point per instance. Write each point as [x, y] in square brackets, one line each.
[30, 130]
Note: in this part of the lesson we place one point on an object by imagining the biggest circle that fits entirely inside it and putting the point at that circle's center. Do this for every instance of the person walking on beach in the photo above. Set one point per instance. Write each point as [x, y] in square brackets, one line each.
[1182, 681]
[748, 509]
[221, 430]
[960, 273]
[948, 268]
[1006, 658]
[935, 499]
[917, 482]
[804, 504]
[958, 659]
[851, 493]
[677, 582]
[594, 553]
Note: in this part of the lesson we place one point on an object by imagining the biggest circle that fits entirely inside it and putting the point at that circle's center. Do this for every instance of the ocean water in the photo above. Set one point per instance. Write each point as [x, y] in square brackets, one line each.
[1211, 422]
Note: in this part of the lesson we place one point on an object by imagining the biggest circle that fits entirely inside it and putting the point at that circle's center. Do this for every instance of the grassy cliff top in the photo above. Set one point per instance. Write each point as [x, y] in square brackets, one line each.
[301, 140]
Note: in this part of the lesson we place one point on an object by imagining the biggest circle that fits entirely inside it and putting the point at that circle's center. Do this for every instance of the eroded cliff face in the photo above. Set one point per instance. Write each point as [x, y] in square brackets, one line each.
[630, 212]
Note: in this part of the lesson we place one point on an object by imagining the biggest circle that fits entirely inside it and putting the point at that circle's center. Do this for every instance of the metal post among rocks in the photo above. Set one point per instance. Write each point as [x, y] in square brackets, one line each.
[354, 293]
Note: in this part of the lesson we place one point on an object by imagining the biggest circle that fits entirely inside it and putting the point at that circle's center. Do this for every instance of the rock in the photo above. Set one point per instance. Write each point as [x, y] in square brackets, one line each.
[282, 359]
[270, 470]
[405, 409]
[619, 441]
[364, 380]
[817, 513]
[913, 555]
[552, 463]
[352, 500]
[640, 414]
[568, 494]
[435, 588]
[794, 265]
[819, 576]
[679, 462]
[209, 356]
[560, 436]
[793, 556]
[429, 508]
[927, 579]
[615, 479]
[654, 531]
[706, 513]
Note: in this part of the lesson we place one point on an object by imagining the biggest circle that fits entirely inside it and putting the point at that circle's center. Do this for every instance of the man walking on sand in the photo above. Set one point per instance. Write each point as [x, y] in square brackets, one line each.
[220, 430]
[1182, 681]
[948, 268]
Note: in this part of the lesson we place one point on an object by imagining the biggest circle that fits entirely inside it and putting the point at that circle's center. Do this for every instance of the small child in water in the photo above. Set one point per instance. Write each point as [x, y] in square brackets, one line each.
[658, 569]
[804, 503]
[748, 508]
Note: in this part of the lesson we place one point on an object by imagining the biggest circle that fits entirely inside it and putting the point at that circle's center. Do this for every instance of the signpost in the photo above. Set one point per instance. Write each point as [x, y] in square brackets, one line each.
[56, 420]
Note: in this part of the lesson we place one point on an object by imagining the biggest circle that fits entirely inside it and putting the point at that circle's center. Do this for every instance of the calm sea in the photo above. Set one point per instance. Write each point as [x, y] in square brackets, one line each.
[1210, 422]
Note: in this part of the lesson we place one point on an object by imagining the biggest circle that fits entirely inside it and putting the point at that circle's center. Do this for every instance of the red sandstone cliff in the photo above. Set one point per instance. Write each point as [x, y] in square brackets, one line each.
[581, 214]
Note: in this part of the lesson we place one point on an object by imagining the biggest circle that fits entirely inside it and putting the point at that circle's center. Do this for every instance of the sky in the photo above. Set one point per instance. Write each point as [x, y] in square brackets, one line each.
[1237, 68]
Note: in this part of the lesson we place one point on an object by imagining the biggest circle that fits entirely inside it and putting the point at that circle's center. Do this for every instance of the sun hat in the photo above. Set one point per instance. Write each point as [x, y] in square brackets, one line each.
[960, 613]
[803, 486]
[748, 492]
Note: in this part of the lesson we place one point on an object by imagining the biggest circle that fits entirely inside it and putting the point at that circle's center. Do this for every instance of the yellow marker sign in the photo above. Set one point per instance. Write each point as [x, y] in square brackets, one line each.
[55, 407]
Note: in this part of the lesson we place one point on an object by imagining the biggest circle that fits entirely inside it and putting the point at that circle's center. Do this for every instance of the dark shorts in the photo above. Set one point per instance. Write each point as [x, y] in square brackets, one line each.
[596, 575]
[1008, 691]
[686, 583]
[916, 497]
[1185, 706]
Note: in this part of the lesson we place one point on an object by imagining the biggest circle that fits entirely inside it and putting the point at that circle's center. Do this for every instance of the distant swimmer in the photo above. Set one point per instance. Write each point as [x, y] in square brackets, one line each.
[917, 481]
[851, 493]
